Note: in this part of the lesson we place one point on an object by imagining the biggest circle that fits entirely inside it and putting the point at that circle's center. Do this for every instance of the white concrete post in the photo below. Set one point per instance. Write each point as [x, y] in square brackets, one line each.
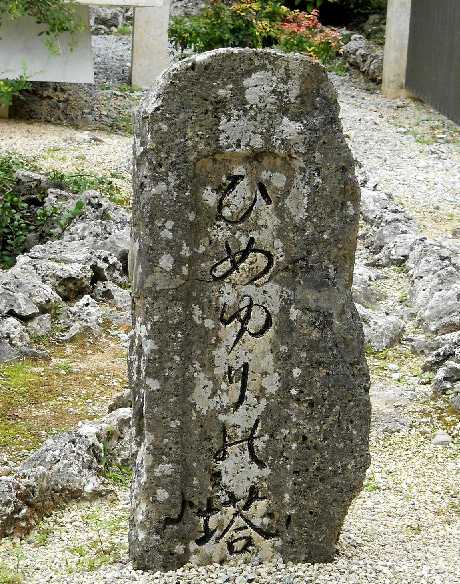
[396, 47]
[150, 55]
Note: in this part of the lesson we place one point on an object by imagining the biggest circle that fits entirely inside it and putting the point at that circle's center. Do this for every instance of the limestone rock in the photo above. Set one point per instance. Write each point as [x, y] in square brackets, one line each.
[13, 501]
[24, 295]
[65, 467]
[7, 352]
[30, 185]
[84, 316]
[446, 377]
[14, 332]
[381, 331]
[122, 400]
[40, 325]
[435, 271]
[390, 233]
[441, 438]
[455, 397]
[250, 388]
[68, 268]
[363, 291]
[68, 466]
[446, 347]
[365, 56]
[114, 432]
[109, 292]
[102, 226]
[109, 18]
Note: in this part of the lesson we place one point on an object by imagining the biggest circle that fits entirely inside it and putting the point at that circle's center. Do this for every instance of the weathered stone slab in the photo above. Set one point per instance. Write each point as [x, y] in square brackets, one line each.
[250, 388]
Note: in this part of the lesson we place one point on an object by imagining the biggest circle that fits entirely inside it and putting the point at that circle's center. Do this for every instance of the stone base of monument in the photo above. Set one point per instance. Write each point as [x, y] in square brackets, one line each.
[250, 386]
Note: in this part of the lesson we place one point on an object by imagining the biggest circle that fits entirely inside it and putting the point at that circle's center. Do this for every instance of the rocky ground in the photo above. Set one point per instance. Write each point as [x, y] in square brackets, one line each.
[403, 528]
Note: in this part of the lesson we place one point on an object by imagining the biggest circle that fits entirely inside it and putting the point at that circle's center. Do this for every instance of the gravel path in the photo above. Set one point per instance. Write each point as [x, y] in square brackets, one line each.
[408, 150]
[112, 58]
[402, 529]
[69, 150]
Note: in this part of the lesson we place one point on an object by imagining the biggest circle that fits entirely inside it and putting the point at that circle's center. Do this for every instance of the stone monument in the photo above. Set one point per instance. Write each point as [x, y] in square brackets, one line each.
[250, 387]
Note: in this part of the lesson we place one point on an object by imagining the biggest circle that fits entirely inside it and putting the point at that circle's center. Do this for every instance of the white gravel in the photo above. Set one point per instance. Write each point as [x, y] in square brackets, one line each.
[402, 529]
[69, 150]
[406, 148]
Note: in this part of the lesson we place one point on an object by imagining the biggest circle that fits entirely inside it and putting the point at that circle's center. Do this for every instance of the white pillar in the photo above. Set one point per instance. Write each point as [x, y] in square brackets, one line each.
[396, 47]
[150, 55]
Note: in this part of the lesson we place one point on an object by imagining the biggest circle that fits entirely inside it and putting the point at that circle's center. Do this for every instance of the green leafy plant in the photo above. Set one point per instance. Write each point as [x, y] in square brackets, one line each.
[11, 87]
[303, 33]
[124, 29]
[245, 24]
[119, 475]
[256, 24]
[58, 16]
[371, 484]
[21, 217]
[42, 535]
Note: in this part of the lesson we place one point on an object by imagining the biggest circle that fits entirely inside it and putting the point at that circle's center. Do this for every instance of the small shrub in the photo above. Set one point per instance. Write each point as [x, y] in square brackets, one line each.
[303, 33]
[119, 475]
[22, 217]
[9, 88]
[42, 535]
[256, 24]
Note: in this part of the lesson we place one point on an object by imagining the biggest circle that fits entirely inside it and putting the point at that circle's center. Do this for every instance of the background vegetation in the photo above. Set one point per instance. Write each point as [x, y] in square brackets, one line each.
[256, 24]
[24, 220]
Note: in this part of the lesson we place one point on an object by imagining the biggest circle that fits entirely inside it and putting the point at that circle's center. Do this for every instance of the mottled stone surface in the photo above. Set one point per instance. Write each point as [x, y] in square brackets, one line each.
[250, 388]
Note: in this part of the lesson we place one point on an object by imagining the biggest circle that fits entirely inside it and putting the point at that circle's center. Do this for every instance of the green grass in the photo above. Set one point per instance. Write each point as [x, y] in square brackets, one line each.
[9, 575]
[127, 88]
[39, 398]
[98, 519]
[64, 367]
[403, 297]
[94, 554]
[42, 535]
[119, 475]
[338, 66]
[125, 123]
[84, 181]
[371, 485]
[124, 30]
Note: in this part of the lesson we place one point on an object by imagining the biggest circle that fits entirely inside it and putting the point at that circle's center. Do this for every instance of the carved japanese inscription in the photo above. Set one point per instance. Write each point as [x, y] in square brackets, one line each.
[250, 389]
